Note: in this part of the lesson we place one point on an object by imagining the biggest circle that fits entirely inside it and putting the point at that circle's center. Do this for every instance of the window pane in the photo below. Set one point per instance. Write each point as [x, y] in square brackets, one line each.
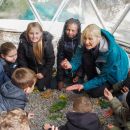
[14, 9]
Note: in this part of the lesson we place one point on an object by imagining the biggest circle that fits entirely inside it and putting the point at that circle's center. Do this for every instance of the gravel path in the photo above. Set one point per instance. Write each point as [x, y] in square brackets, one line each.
[40, 105]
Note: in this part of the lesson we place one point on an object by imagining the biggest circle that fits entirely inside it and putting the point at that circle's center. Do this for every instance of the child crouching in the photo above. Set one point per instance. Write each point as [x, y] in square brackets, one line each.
[16, 119]
[81, 118]
[13, 94]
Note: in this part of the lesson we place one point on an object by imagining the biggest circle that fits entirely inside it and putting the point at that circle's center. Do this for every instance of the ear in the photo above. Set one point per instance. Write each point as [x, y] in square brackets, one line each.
[2, 56]
[26, 90]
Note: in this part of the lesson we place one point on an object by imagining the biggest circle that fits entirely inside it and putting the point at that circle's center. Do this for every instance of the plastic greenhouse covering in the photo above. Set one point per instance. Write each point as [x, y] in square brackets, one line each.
[113, 15]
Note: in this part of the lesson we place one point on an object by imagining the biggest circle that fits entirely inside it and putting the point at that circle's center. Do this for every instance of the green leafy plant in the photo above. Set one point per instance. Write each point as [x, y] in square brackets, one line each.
[57, 106]
[103, 103]
[55, 116]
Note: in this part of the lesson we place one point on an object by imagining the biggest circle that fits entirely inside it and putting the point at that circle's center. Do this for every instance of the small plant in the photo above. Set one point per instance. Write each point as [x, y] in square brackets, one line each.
[57, 106]
[63, 97]
[55, 116]
[103, 103]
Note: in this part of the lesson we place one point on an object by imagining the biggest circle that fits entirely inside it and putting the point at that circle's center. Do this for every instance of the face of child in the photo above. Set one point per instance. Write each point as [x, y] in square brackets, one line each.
[11, 56]
[72, 30]
[91, 41]
[35, 35]
[29, 90]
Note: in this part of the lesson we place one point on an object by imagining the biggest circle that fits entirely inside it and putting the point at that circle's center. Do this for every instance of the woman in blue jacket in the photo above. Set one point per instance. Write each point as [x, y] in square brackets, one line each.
[99, 51]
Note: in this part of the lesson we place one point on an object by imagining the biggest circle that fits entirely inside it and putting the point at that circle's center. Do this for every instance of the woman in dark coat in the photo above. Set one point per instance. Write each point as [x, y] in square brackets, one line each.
[67, 45]
[36, 52]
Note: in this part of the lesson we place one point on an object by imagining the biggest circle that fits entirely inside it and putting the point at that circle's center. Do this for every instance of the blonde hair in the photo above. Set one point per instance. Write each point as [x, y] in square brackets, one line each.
[23, 77]
[38, 47]
[14, 120]
[82, 104]
[92, 29]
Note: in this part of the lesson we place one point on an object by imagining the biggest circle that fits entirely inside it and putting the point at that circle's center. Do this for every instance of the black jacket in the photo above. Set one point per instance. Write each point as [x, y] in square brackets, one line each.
[66, 49]
[82, 121]
[26, 56]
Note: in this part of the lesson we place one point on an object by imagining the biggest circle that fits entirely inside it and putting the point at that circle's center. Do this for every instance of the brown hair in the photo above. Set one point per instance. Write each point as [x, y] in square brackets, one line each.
[23, 77]
[14, 120]
[92, 29]
[82, 104]
[6, 47]
[37, 48]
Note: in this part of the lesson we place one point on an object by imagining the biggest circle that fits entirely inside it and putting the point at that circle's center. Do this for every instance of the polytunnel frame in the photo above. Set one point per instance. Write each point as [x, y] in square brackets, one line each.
[94, 6]
[63, 4]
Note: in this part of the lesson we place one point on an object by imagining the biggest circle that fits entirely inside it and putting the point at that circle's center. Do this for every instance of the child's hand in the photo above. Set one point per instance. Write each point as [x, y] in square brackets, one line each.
[75, 80]
[108, 94]
[110, 126]
[125, 89]
[40, 75]
[54, 128]
[66, 64]
[47, 126]
[30, 115]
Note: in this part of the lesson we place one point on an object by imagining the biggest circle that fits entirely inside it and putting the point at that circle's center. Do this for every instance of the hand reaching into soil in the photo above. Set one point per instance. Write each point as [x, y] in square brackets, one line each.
[108, 94]
[30, 115]
[48, 126]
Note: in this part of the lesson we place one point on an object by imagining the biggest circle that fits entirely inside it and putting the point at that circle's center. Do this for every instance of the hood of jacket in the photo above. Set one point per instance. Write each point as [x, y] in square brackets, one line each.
[77, 37]
[85, 121]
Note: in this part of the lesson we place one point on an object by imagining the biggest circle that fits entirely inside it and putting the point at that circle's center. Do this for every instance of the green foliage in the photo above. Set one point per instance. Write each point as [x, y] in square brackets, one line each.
[55, 116]
[104, 103]
[57, 106]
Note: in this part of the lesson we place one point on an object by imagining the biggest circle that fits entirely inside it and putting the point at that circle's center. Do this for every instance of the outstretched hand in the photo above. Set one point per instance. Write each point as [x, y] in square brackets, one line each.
[108, 94]
[48, 126]
[30, 115]
[78, 87]
[66, 64]
[125, 89]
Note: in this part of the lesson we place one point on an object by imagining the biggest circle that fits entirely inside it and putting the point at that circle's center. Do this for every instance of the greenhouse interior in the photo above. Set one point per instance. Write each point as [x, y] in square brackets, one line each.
[111, 15]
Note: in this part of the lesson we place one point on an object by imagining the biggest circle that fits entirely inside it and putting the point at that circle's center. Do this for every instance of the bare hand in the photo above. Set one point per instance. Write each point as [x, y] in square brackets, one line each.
[110, 126]
[30, 115]
[75, 79]
[78, 87]
[47, 126]
[66, 64]
[40, 75]
[108, 94]
[54, 128]
[125, 89]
